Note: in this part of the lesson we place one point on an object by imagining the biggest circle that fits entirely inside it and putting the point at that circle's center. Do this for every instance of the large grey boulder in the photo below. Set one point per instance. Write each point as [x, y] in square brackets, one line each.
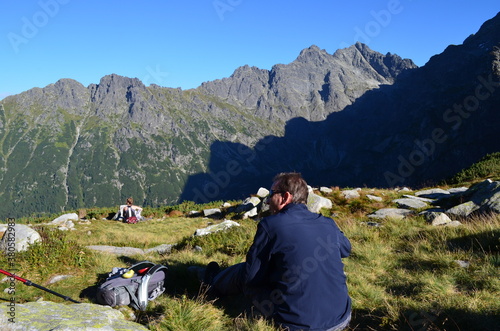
[482, 197]
[316, 202]
[487, 196]
[46, 315]
[463, 209]
[21, 235]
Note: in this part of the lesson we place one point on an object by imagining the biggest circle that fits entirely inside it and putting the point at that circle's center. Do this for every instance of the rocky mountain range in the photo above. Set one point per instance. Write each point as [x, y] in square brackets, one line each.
[352, 118]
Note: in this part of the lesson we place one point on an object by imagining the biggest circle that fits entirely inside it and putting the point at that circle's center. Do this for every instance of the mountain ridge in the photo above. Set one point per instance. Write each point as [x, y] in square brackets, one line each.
[347, 118]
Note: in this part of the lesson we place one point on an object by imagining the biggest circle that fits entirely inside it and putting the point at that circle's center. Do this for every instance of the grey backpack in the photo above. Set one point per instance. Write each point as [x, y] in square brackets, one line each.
[146, 285]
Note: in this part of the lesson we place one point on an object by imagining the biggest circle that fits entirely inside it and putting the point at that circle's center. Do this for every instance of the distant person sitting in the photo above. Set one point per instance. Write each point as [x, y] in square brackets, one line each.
[293, 271]
[129, 210]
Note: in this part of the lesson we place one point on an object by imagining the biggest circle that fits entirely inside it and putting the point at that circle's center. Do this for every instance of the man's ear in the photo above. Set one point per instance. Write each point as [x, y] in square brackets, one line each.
[286, 198]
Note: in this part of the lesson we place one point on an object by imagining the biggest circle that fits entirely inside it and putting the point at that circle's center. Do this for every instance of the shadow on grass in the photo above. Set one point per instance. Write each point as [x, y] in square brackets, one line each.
[487, 242]
[415, 264]
[435, 320]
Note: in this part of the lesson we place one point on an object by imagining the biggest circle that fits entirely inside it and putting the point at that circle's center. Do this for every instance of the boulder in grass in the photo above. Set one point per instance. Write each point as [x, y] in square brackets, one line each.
[410, 203]
[21, 235]
[325, 190]
[436, 218]
[351, 194]
[395, 213]
[215, 228]
[374, 198]
[63, 219]
[316, 202]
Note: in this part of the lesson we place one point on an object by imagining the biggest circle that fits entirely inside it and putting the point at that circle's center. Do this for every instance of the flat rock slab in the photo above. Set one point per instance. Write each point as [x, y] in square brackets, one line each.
[434, 193]
[125, 251]
[46, 315]
[396, 213]
[215, 228]
[410, 203]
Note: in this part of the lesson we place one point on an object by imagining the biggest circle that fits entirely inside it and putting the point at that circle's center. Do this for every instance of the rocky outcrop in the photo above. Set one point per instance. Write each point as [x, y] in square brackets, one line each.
[45, 315]
[442, 206]
[483, 197]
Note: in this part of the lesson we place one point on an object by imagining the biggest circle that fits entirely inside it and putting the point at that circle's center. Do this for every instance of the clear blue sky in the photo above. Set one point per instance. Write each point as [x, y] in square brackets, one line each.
[175, 43]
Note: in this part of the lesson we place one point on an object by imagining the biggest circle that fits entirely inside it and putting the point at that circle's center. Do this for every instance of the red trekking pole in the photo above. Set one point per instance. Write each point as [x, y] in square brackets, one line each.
[30, 283]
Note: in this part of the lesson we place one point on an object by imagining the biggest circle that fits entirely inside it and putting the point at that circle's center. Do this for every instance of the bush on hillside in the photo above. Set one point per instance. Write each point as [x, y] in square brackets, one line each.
[487, 167]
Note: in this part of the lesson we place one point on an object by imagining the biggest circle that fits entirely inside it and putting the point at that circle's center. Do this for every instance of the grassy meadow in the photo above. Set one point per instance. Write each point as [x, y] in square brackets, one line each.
[402, 274]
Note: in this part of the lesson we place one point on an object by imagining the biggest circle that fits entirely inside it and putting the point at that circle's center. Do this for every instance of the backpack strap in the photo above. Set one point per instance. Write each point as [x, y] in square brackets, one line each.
[142, 292]
[129, 212]
[134, 301]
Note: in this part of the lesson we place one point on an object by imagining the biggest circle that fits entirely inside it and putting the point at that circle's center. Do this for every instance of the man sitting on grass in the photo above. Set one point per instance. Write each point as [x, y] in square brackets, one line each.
[293, 271]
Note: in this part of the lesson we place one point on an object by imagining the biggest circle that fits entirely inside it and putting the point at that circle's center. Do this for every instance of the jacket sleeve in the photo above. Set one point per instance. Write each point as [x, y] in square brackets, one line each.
[257, 259]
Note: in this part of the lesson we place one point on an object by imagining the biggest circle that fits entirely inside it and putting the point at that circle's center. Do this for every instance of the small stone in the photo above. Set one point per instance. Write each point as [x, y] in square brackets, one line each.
[262, 192]
[351, 194]
[58, 278]
[325, 190]
[463, 264]
[374, 198]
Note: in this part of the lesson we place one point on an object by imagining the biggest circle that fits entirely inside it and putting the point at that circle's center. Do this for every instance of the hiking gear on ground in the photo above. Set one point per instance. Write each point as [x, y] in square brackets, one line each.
[146, 285]
[30, 283]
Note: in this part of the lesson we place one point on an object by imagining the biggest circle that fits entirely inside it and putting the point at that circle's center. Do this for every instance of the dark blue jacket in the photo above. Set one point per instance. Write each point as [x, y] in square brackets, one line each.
[294, 270]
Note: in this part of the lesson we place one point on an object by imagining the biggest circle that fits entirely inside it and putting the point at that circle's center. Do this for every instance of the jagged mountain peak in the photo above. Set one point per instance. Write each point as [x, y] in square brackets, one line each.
[314, 85]
[247, 70]
[313, 54]
[118, 81]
